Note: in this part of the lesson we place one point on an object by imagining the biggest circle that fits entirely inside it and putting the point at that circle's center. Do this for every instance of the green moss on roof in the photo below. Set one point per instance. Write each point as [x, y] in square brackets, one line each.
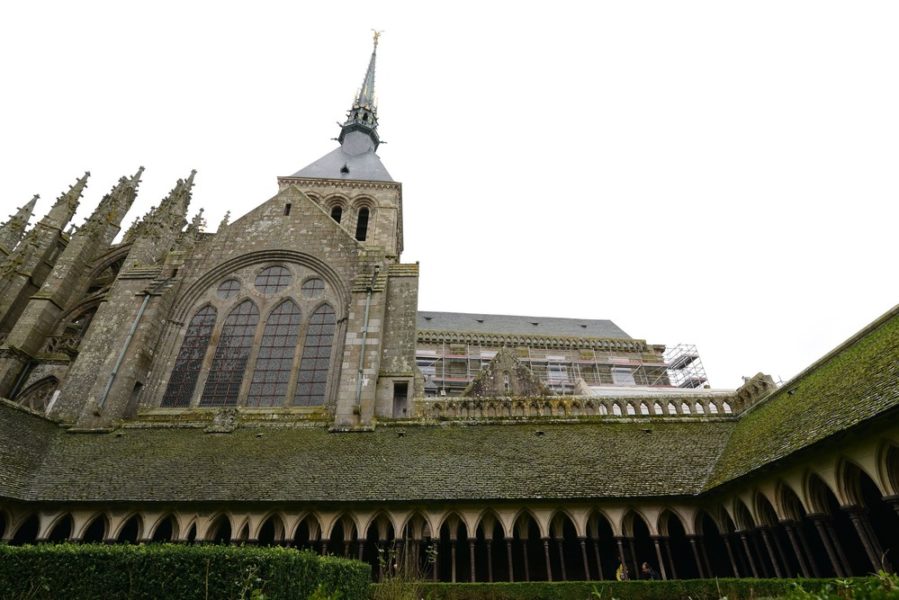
[425, 463]
[855, 384]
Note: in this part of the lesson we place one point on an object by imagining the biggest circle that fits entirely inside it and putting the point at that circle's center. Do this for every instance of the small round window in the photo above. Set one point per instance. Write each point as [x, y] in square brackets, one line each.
[313, 287]
[228, 289]
[272, 279]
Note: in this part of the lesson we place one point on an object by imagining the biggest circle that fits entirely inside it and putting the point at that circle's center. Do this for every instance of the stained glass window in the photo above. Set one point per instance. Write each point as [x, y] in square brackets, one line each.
[273, 279]
[316, 356]
[230, 361]
[313, 287]
[276, 352]
[228, 289]
[190, 358]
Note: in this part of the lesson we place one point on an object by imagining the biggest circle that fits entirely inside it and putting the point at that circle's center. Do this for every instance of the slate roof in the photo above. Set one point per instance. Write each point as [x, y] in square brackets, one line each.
[425, 463]
[854, 383]
[356, 154]
[518, 325]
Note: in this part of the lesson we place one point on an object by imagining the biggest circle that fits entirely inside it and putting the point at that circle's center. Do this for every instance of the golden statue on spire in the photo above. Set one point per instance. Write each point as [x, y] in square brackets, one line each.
[376, 34]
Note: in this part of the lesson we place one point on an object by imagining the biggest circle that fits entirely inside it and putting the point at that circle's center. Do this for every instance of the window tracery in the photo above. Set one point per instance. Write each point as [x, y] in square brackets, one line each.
[272, 349]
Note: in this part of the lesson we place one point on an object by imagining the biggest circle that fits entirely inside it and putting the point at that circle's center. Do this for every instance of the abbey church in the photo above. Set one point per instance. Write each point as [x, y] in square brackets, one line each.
[275, 382]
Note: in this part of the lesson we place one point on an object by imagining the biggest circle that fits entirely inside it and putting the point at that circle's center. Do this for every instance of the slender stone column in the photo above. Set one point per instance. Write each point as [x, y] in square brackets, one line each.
[560, 544]
[763, 566]
[797, 549]
[621, 555]
[670, 558]
[633, 548]
[549, 567]
[884, 559]
[471, 555]
[745, 539]
[453, 560]
[489, 561]
[705, 556]
[828, 523]
[766, 537]
[730, 554]
[524, 554]
[658, 547]
[818, 520]
[324, 547]
[583, 542]
[780, 553]
[509, 557]
[872, 547]
[598, 559]
[698, 560]
[361, 548]
[803, 540]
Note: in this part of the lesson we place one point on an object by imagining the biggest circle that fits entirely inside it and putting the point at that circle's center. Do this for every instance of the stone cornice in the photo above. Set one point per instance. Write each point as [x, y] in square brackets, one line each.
[343, 183]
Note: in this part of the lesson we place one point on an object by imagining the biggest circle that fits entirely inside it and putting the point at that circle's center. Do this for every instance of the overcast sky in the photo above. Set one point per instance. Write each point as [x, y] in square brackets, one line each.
[718, 173]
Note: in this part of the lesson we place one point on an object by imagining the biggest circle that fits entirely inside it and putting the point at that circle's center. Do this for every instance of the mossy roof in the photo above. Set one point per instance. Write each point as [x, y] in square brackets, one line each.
[600, 458]
[417, 463]
[857, 382]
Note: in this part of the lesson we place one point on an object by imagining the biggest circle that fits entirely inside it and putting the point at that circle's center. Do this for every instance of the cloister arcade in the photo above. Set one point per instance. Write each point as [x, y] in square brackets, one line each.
[839, 517]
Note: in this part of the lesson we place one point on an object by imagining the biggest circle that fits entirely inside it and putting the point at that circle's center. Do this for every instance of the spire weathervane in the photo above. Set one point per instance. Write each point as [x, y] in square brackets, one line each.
[363, 115]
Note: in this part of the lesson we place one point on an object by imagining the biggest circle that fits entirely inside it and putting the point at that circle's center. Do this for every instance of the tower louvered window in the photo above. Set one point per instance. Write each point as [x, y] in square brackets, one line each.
[276, 351]
[190, 358]
[231, 355]
[313, 374]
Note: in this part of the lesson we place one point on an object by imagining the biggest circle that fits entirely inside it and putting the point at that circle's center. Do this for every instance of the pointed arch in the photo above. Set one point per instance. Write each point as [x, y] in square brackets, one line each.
[231, 355]
[274, 362]
[315, 364]
[38, 395]
[190, 357]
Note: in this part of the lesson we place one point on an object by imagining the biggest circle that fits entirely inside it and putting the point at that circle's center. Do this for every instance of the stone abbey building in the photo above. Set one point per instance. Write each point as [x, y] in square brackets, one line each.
[276, 383]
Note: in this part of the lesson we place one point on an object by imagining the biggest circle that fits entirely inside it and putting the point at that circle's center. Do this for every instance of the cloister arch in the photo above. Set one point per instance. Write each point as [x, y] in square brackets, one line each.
[271, 531]
[130, 530]
[219, 531]
[307, 534]
[62, 529]
[96, 530]
[26, 532]
[165, 530]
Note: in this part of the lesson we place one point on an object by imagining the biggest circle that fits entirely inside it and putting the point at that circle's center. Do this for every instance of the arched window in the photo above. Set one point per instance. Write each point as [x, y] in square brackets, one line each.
[684, 408]
[699, 409]
[603, 410]
[336, 213]
[190, 358]
[275, 361]
[727, 409]
[37, 396]
[630, 409]
[657, 409]
[316, 358]
[713, 408]
[230, 361]
[644, 410]
[616, 410]
[672, 410]
[362, 224]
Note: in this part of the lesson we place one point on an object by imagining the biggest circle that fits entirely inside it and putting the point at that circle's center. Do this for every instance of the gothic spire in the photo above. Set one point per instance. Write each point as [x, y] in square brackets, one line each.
[363, 115]
[13, 230]
[66, 205]
[114, 205]
[174, 207]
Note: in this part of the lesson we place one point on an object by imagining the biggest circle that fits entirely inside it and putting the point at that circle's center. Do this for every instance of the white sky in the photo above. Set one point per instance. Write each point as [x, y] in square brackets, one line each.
[719, 173]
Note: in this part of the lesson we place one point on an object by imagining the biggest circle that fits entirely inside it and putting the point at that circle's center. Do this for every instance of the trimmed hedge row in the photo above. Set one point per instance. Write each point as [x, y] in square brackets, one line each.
[695, 589]
[177, 572]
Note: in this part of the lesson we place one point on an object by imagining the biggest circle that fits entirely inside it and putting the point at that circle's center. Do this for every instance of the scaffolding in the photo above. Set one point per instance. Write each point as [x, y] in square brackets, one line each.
[685, 368]
[448, 368]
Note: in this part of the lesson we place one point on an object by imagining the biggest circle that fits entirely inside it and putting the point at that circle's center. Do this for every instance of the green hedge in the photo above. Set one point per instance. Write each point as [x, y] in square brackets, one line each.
[695, 589]
[177, 572]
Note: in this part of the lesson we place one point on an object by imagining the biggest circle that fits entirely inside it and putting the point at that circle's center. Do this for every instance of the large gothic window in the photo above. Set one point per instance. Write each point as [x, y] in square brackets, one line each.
[190, 358]
[263, 336]
[276, 352]
[316, 357]
[231, 355]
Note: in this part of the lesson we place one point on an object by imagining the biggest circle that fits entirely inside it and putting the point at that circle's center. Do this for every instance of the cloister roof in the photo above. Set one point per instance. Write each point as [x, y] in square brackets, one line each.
[854, 383]
[591, 459]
